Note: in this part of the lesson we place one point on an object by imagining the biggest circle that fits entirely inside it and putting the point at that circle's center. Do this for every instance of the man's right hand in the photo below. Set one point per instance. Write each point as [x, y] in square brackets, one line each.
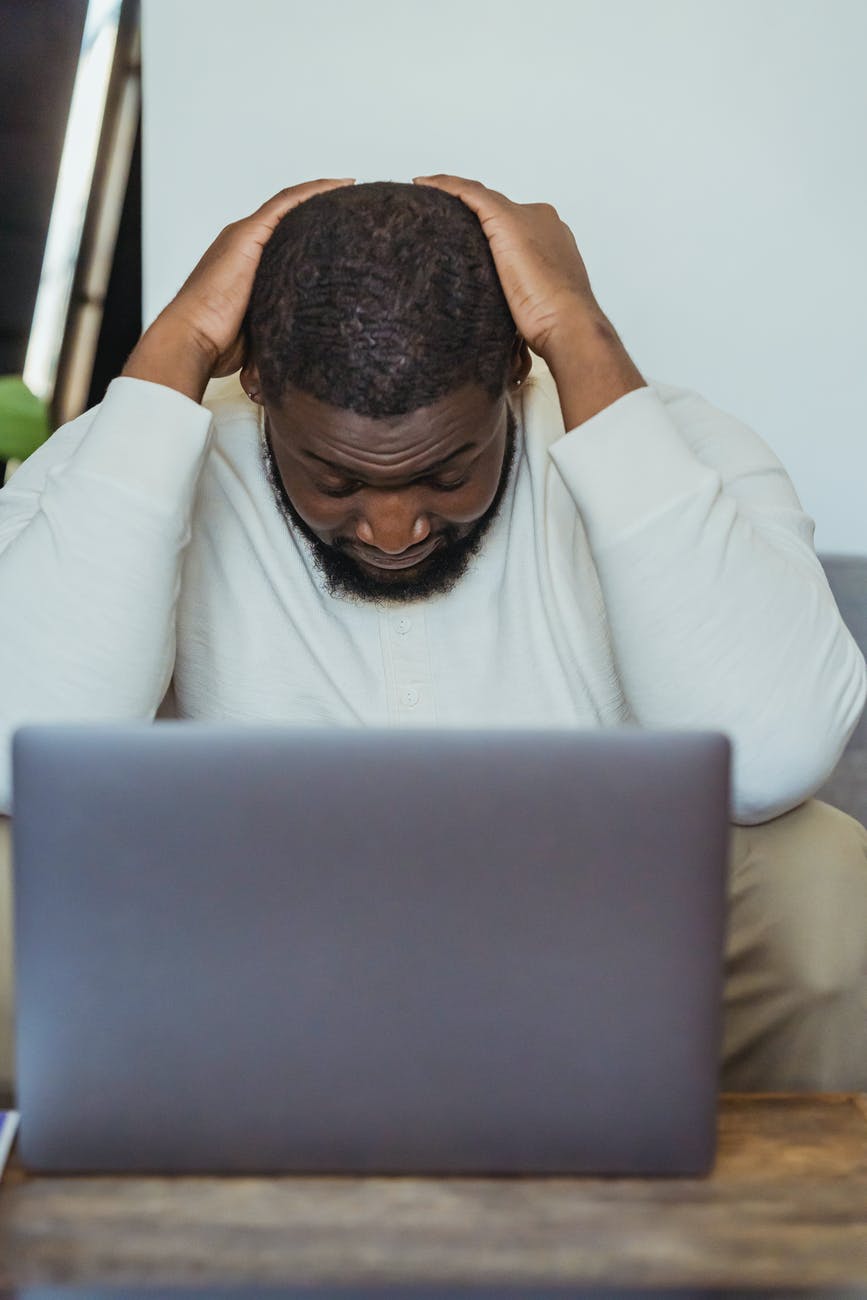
[198, 335]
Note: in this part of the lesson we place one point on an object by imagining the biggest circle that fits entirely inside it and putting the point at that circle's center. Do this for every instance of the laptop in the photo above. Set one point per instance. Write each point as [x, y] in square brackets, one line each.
[338, 950]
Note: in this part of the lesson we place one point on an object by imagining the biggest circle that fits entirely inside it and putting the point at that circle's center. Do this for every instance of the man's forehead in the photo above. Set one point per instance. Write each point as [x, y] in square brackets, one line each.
[463, 420]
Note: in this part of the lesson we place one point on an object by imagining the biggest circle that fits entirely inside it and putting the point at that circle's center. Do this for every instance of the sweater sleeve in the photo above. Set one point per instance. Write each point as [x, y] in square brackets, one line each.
[93, 529]
[720, 613]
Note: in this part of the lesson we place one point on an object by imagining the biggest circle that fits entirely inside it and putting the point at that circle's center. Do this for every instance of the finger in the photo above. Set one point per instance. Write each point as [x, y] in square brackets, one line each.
[273, 209]
[477, 196]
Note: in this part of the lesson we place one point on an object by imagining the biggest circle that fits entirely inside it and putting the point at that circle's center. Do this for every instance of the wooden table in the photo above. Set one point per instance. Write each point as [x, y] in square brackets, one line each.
[786, 1206]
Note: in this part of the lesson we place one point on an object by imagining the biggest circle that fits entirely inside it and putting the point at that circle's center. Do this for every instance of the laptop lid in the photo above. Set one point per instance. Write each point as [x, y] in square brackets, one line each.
[276, 949]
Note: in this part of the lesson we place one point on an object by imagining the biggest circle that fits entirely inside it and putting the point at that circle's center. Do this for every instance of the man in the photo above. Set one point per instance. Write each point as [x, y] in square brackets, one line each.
[444, 494]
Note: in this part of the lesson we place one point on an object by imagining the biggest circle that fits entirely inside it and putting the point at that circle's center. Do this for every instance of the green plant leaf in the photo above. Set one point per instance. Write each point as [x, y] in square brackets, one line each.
[24, 422]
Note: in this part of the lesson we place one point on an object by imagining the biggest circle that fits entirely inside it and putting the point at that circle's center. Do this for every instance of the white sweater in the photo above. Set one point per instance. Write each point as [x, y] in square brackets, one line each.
[653, 565]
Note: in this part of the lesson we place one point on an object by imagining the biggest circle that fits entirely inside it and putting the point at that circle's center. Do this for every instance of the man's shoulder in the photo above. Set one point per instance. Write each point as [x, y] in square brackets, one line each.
[235, 455]
[235, 422]
[227, 401]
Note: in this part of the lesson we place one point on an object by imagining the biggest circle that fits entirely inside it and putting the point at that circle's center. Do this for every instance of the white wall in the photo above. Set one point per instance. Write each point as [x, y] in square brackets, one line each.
[709, 156]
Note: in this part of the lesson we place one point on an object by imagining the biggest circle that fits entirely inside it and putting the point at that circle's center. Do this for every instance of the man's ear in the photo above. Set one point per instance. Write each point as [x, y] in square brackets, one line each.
[521, 362]
[250, 383]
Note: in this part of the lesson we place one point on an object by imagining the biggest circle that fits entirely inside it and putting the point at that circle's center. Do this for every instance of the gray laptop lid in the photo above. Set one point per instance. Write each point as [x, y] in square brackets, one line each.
[262, 949]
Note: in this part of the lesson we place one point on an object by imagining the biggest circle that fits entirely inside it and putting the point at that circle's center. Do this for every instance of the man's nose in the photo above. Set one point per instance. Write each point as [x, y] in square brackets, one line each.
[392, 524]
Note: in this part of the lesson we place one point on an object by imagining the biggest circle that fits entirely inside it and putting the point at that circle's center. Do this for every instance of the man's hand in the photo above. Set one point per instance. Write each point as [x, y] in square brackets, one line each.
[198, 335]
[549, 295]
[542, 273]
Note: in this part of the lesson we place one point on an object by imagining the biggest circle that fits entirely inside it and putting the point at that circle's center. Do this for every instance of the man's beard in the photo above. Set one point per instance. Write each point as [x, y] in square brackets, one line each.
[435, 575]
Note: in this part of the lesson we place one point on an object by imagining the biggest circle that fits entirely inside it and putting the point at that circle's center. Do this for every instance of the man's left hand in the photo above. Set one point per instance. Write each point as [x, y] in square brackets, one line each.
[548, 291]
[537, 259]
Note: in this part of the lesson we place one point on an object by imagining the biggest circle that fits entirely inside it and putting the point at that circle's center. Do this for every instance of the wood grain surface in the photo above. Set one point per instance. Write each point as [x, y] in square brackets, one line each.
[786, 1206]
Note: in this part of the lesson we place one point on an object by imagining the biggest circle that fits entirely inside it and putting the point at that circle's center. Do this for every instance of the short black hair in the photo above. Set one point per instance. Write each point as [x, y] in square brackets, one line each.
[379, 299]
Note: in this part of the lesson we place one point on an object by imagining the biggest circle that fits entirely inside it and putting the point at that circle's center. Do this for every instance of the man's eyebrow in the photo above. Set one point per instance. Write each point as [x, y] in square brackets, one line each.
[429, 469]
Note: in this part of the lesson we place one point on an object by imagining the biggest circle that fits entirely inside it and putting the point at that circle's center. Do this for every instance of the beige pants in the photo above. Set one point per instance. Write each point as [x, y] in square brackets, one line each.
[796, 964]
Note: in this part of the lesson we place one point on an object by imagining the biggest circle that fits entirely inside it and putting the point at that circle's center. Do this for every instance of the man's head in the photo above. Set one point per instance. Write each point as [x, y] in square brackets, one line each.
[385, 356]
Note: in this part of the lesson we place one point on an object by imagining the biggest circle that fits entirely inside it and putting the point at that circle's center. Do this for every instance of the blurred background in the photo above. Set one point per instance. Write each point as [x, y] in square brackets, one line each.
[70, 210]
[708, 155]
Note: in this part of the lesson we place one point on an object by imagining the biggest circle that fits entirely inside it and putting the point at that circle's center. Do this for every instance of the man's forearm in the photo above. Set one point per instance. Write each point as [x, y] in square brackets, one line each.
[171, 356]
[591, 368]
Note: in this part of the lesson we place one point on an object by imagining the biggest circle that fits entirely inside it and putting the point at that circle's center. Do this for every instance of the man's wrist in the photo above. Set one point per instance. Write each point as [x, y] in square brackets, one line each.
[590, 366]
[170, 355]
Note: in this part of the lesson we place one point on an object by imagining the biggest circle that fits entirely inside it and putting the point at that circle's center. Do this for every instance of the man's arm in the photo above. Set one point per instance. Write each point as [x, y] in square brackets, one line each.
[94, 525]
[591, 368]
[92, 532]
[719, 609]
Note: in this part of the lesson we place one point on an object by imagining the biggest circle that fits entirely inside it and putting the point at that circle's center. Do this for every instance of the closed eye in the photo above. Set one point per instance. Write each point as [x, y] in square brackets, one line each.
[437, 484]
[337, 492]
